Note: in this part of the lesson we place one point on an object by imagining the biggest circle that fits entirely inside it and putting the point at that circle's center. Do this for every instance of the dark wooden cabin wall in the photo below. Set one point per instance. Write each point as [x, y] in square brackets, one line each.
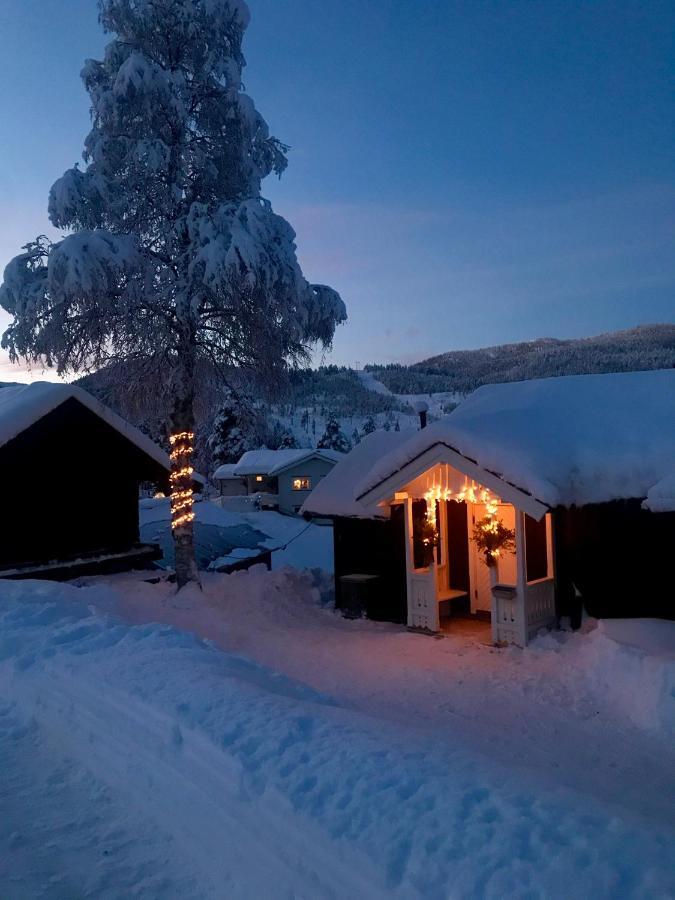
[619, 557]
[70, 486]
[536, 553]
[371, 547]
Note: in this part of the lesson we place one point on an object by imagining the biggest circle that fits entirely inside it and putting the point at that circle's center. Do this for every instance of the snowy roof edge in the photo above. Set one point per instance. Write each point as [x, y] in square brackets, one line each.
[42, 397]
[257, 465]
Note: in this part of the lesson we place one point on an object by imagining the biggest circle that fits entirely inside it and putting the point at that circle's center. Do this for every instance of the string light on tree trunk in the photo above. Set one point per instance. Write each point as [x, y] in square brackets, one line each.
[182, 447]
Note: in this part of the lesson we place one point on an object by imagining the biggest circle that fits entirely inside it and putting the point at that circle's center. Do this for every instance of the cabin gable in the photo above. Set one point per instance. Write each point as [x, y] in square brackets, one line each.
[71, 484]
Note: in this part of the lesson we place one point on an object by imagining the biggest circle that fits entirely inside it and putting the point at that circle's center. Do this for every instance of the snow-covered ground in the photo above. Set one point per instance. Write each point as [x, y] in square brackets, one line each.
[229, 524]
[282, 751]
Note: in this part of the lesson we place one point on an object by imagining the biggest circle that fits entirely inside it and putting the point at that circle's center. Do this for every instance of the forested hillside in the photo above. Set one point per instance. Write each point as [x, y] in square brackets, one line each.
[462, 371]
[299, 413]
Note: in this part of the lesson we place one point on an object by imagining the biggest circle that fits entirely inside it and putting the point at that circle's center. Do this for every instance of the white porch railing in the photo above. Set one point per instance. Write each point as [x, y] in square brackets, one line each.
[539, 605]
[422, 601]
[506, 615]
[519, 612]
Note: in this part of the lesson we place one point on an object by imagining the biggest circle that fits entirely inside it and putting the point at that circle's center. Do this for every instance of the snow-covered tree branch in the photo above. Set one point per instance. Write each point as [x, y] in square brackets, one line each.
[172, 253]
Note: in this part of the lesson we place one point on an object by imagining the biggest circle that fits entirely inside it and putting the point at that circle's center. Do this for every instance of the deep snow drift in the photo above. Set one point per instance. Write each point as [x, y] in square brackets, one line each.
[341, 759]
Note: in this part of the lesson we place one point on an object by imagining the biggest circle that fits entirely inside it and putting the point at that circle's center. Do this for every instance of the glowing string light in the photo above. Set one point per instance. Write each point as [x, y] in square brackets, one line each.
[180, 479]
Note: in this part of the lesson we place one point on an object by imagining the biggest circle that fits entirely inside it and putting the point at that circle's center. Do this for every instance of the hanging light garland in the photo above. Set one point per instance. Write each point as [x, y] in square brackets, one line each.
[180, 479]
[490, 534]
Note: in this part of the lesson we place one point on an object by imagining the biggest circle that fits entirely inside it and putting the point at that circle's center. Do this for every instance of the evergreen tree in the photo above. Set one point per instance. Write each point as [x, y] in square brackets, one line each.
[279, 437]
[397, 426]
[171, 254]
[356, 437]
[369, 426]
[333, 438]
[234, 429]
[288, 441]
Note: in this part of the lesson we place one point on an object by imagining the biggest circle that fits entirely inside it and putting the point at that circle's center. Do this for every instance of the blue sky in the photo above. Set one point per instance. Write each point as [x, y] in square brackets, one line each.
[465, 173]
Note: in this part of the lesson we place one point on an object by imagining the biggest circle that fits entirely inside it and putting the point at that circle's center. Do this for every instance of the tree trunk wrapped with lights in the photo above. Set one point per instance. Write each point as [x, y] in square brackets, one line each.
[182, 513]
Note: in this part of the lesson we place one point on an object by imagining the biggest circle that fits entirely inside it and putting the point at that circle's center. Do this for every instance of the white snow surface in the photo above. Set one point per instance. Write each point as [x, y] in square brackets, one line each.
[272, 462]
[569, 440]
[23, 405]
[280, 750]
[335, 494]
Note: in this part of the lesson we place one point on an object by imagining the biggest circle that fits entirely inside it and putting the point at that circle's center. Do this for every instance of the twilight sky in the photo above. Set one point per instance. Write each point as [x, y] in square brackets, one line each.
[464, 173]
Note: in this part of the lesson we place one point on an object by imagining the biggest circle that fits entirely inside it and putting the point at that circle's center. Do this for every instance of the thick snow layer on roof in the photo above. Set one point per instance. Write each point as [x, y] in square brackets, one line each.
[570, 440]
[335, 494]
[271, 462]
[226, 472]
[23, 405]
[661, 497]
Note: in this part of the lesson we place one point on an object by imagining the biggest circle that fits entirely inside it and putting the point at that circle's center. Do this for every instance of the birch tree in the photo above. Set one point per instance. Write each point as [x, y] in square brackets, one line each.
[170, 254]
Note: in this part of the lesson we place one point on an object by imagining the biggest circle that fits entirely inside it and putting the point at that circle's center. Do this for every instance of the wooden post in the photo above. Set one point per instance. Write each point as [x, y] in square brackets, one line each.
[521, 579]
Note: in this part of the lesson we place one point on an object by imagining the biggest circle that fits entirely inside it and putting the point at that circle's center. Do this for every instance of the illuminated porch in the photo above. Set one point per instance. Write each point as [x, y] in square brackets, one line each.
[454, 568]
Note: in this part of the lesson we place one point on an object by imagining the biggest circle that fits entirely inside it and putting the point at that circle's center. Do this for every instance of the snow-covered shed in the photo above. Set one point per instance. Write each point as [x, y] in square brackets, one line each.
[527, 500]
[290, 474]
[72, 469]
[229, 483]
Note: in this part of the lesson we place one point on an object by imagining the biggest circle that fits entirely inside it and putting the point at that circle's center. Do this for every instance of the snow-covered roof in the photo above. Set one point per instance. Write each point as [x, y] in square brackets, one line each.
[570, 440]
[226, 472]
[661, 497]
[334, 495]
[272, 462]
[23, 405]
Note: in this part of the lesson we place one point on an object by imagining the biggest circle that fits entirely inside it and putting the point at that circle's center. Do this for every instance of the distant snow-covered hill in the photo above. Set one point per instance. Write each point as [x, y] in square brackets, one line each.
[462, 371]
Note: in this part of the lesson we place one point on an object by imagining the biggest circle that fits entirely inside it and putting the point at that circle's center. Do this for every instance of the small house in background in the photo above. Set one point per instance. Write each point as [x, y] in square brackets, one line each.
[288, 476]
[230, 484]
[71, 469]
[528, 501]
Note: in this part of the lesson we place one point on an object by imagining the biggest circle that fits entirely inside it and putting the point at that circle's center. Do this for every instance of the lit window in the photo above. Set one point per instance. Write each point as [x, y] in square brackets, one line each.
[258, 477]
[302, 484]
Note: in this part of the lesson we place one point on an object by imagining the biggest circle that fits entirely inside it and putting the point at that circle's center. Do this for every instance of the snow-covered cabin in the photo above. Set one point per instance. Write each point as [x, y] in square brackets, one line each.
[576, 473]
[229, 483]
[290, 475]
[71, 473]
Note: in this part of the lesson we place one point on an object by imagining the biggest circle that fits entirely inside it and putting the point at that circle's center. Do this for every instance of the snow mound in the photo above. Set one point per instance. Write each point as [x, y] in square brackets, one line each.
[628, 664]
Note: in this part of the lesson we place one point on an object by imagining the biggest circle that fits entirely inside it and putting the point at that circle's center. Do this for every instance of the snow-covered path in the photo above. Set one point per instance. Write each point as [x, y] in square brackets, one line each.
[371, 383]
[139, 761]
